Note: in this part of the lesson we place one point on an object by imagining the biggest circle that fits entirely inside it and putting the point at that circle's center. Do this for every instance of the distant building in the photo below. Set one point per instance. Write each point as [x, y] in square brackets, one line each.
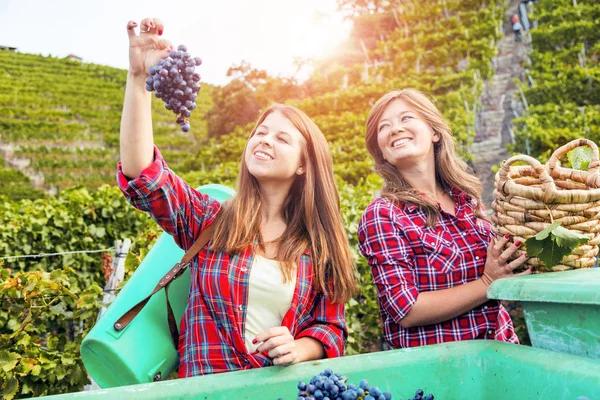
[74, 57]
[8, 48]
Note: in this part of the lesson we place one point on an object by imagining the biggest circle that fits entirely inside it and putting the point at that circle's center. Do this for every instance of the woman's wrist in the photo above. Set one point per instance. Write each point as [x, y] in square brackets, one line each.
[137, 82]
[301, 354]
[486, 279]
[308, 348]
[137, 75]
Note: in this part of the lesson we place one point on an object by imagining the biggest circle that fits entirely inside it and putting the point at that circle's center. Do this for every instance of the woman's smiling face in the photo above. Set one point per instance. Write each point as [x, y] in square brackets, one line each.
[274, 152]
[404, 138]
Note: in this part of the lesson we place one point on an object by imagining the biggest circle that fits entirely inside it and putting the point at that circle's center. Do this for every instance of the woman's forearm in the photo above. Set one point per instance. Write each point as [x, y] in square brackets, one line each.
[309, 349]
[441, 305]
[137, 143]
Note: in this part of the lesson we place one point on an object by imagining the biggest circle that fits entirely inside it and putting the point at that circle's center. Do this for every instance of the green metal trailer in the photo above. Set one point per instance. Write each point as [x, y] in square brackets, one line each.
[474, 370]
[562, 312]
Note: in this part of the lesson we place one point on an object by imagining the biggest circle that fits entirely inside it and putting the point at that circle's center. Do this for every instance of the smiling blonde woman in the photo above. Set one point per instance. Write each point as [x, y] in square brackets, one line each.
[271, 285]
[426, 238]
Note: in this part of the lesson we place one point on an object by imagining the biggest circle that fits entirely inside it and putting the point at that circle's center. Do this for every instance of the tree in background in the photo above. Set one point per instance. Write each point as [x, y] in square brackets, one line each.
[233, 104]
[241, 100]
[361, 7]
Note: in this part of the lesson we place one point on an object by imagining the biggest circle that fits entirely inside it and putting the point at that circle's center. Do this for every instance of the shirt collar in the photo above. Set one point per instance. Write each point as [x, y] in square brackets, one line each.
[458, 195]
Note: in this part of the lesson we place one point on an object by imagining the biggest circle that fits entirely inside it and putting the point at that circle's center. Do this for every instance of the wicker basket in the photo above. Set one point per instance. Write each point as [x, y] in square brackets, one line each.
[528, 198]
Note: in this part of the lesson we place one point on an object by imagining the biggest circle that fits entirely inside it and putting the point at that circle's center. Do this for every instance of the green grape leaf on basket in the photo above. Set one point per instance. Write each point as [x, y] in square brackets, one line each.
[536, 244]
[580, 158]
[554, 243]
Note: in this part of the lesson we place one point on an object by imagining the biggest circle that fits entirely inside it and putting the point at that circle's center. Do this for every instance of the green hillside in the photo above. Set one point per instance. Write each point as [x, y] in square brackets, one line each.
[563, 84]
[64, 116]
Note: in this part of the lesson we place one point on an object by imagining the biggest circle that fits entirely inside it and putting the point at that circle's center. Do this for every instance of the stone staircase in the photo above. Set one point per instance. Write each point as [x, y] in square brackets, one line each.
[500, 102]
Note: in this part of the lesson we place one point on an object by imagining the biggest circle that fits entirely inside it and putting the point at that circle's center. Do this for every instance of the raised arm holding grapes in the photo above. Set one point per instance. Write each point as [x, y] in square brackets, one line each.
[145, 49]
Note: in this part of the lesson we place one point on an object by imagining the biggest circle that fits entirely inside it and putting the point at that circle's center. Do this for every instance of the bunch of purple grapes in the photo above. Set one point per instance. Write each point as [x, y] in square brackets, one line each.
[174, 80]
[331, 386]
[420, 395]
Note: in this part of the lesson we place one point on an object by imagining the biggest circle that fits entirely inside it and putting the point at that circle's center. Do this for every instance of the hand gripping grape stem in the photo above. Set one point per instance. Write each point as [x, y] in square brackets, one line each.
[174, 81]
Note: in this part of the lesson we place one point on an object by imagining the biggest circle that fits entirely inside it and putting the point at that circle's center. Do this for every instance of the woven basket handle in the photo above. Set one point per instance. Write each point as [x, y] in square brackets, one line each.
[563, 150]
[546, 193]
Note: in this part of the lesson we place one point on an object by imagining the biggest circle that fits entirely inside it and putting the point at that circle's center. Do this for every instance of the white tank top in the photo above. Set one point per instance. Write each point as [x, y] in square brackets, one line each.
[268, 298]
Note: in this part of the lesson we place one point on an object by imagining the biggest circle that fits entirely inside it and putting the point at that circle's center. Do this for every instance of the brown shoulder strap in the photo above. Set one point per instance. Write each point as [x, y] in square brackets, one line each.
[173, 274]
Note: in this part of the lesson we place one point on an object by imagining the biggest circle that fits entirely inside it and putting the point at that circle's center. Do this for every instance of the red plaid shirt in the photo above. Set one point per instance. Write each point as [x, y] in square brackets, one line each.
[407, 258]
[212, 328]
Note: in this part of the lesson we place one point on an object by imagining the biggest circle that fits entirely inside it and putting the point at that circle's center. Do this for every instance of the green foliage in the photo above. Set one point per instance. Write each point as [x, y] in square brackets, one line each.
[552, 244]
[43, 318]
[17, 186]
[76, 220]
[564, 101]
[362, 312]
[548, 126]
[241, 101]
[234, 104]
[49, 304]
[580, 158]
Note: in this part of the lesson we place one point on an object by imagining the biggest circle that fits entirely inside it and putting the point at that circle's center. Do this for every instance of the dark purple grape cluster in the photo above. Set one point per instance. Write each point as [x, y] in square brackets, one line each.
[174, 80]
[420, 395]
[331, 386]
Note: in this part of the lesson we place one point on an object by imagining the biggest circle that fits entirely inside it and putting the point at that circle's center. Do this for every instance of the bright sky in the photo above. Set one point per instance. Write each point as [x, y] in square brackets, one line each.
[266, 33]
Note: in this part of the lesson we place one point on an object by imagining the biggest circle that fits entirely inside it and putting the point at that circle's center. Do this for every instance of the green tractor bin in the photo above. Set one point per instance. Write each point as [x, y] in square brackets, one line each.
[469, 370]
[561, 309]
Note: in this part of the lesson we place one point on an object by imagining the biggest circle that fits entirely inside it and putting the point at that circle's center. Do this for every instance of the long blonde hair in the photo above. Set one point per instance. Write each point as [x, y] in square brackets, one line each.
[311, 211]
[450, 170]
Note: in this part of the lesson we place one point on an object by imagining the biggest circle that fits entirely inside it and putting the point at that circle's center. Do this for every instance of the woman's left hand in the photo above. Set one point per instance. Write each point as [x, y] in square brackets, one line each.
[280, 345]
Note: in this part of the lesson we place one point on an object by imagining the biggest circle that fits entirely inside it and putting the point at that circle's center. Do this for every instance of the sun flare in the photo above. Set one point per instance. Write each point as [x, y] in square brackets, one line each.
[324, 33]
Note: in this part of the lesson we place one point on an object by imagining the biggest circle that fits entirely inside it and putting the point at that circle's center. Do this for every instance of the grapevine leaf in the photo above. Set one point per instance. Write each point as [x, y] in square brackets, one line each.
[26, 388]
[536, 244]
[25, 340]
[61, 309]
[552, 254]
[546, 232]
[553, 243]
[580, 158]
[535, 247]
[568, 239]
[9, 360]
[9, 388]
